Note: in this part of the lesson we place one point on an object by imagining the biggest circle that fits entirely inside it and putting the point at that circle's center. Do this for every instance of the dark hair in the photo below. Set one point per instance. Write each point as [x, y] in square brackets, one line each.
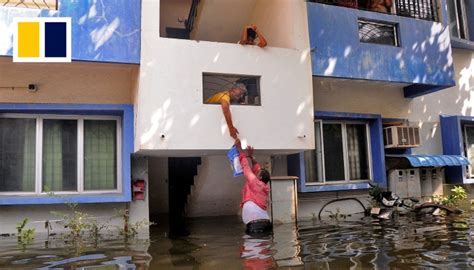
[264, 175]
[251, 33]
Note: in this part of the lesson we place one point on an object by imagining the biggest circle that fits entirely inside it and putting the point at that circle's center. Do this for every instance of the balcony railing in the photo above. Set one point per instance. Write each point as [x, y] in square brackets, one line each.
[35, 4]
[420, 9]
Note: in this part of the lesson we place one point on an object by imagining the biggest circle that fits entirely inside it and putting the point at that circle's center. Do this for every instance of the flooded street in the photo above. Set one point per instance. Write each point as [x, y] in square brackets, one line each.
[220, 243]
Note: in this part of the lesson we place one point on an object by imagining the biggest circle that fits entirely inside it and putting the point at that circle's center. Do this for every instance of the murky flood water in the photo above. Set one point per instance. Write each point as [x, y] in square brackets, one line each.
[220, 243]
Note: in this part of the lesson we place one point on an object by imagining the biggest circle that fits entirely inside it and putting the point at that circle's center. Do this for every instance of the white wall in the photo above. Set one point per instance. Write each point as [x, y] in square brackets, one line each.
[457, 100]
[76, 82]
[282, 22]
[360, 97]
[104, 213]
[169, 100]
[221, 20]
[172, 12]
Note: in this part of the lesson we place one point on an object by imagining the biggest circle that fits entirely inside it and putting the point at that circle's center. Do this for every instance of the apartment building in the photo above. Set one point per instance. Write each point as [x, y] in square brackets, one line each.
[337, 83]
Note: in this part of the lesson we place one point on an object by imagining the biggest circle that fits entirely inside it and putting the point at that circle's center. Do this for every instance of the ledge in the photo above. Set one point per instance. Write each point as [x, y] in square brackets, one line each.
[459, 43]
[283, 178]
[336, 187]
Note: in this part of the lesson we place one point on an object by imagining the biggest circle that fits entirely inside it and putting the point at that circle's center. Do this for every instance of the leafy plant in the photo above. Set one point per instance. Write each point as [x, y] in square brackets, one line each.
[130, 230]
[458, 193]
[25, 235]
[376, 193]
[76, 222]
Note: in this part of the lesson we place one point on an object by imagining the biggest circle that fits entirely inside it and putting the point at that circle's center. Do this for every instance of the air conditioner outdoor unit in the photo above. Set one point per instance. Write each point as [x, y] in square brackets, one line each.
[401, 137]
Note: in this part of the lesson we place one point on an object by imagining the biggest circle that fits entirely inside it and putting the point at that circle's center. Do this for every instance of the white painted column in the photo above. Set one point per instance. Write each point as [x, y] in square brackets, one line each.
[283, 199]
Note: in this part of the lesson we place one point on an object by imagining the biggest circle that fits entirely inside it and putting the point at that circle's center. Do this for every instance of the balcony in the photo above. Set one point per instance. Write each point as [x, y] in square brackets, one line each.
[350, 43]
[204, 20]
[419, 9]
[102, 31]
[178, 75]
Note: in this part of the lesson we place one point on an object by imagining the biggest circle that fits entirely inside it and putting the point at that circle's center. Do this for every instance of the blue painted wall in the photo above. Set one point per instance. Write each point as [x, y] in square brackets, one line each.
[451, 136]
[123, 110]
[103, 31]
[420, 60]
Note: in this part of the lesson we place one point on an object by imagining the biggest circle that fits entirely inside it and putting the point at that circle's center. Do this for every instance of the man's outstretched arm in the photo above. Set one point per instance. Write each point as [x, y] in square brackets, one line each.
[228, 118]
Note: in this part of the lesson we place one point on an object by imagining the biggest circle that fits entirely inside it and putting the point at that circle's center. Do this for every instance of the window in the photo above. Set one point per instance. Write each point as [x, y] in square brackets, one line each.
[468, 136]
[36, 4]
[217, 85]
[63, 154]
[378, 33]
[457, 18]
[341, 155]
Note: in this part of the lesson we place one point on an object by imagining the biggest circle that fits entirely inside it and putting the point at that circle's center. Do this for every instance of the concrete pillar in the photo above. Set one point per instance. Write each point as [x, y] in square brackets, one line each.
[139, 208]
[283, 199]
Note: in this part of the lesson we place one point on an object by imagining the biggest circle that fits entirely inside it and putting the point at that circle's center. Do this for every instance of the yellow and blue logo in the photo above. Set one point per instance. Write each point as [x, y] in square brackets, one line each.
[42, 40]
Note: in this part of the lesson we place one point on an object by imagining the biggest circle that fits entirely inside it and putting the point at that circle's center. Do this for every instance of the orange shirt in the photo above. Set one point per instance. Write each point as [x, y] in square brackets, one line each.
[217, 97]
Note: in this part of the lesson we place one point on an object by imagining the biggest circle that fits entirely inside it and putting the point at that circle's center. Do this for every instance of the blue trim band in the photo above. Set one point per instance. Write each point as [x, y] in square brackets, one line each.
[123, 110]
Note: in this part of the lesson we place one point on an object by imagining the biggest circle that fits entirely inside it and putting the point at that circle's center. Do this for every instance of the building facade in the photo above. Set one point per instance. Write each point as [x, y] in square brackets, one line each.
[71, 140]
[131, 111]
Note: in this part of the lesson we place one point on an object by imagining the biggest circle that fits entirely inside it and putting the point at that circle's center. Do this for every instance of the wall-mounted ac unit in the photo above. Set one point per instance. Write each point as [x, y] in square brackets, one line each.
[401, 137]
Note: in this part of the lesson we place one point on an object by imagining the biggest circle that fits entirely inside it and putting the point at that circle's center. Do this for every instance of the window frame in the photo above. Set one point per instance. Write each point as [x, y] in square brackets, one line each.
[469, 175]
[461, 19]
[80, 153]
[230, 75]
[347, 179]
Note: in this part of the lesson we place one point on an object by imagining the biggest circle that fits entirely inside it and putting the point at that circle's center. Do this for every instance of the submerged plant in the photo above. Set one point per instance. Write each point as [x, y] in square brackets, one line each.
[128, 229]
[337, 215]
[458, 194]
[25, 235]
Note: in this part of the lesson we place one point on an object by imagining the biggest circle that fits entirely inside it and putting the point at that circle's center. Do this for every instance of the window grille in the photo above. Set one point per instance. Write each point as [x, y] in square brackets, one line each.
[378, 33]
[35, 4]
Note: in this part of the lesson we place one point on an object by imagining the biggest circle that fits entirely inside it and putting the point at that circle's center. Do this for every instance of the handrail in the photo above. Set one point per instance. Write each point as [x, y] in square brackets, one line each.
[189, 23]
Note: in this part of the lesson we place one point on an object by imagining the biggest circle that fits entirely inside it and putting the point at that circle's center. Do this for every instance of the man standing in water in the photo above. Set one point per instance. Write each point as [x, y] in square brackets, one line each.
[254, 194]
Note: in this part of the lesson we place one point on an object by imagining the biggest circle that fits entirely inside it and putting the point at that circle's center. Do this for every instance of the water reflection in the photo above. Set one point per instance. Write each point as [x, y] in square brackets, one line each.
[256, 253]
[220, 243]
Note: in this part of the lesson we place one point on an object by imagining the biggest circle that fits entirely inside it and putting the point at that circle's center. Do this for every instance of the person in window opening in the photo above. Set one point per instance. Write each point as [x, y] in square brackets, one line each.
[380, 5]
[254, 194]
[235, 96]
[250, 35]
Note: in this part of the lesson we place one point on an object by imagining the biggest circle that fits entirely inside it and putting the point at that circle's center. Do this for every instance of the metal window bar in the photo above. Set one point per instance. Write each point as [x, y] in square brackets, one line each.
[420, 9]
[34, 4]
